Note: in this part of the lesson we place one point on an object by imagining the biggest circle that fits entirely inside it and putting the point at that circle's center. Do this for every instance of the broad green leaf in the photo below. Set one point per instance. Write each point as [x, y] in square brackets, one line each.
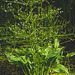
[56, 52]
[56, 43]
[70, 54]
[59, 68]
[16, 59]
[12, 57]
[53, 54]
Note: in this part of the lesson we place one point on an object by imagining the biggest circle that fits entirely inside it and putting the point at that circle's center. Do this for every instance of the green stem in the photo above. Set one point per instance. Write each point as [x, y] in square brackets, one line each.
[68, 64]
[50, 66]
[28, 70]
[23, 70]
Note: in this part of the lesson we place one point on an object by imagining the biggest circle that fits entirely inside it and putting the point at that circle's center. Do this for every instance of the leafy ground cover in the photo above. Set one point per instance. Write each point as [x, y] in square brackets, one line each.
[30, 38]
[39, 61]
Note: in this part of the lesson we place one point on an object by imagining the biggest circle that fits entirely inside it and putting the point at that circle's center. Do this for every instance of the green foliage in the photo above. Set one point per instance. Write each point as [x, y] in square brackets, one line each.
[59, 68]
[56, 44]
[70, 54]
[37, 58]
[33, 22]
[31, 26]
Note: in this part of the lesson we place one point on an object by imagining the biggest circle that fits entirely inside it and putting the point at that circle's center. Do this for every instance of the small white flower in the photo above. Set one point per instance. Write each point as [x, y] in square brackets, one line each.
[5, 10]
[71, 39]
[10, 3]
[19, 18]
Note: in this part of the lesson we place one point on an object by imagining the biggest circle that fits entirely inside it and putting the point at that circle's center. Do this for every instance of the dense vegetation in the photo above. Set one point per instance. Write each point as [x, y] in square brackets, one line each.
[30, 31]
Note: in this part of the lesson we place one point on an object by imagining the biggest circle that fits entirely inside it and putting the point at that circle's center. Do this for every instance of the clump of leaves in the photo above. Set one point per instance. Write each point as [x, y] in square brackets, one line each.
[39, 61]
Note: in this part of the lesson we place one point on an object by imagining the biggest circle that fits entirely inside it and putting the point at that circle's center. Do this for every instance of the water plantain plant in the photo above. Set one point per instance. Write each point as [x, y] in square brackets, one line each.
[36, 24]
[39, 61]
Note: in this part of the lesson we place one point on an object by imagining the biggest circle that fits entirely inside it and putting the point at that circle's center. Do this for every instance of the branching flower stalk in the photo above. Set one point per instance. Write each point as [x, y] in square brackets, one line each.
[35, 25]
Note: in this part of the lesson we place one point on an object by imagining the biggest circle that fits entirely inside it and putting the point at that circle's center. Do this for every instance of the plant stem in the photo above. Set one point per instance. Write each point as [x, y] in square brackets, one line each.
[23, 70]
